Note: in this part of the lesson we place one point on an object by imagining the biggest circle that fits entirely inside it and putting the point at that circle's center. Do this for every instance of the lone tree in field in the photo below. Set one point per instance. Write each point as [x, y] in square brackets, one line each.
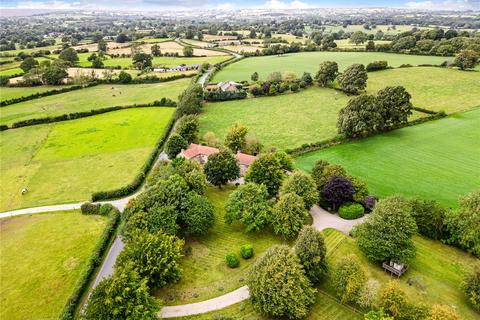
[327, 72]
[174, 145]
[249, 205]
[236, 138]
[395, 105]
[278, 285]
[353, 79]
[188, 51]
[310, 249]
[221, 168]
[154, 256]
[289, 215]
[142, 60]
[337, 191]
[361, 117]
[358, 37]
[155, 49]
[70, 55]
[466, 59]
[387, 233]
[303, 185]
[125, 295]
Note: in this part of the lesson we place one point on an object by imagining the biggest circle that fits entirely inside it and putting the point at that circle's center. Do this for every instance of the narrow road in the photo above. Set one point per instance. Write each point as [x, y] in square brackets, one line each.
[106, 269]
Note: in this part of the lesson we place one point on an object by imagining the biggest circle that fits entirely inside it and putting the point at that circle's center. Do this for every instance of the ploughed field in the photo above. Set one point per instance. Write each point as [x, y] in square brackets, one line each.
[67, 161]
[309, 61]
[434, 160]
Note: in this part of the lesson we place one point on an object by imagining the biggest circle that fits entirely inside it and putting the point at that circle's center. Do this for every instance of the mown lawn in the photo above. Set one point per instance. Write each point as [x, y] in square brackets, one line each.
[91, 98]
[435, 160]
[67, 161]
[43, 257]
[7, 93]
[436, 89]
[205, 273]
[309, 61]
[437, 272]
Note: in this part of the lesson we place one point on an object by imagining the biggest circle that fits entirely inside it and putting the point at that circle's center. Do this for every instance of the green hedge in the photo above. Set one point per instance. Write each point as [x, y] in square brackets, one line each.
[164, 102]
[94, 262]
[140, 178]
[44, 94]
[351, 210]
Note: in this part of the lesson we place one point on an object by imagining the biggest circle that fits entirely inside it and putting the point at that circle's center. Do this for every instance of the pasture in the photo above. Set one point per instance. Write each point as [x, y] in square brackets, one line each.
[346, 44]
[437, 89]
[309, 61]
[7, 93]
[43, 257]
[66, 161]
[165, 61]
[91, 98]
[434, 160]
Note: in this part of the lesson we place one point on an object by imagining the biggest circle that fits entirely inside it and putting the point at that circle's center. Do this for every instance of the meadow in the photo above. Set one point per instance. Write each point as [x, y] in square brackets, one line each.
[346, 44]
[435, 160]
[43, 257]
[7, 93]
[437, 89]
[309, 61]
[161, 61]
[13, 68]
[67, 161]
[91, 98]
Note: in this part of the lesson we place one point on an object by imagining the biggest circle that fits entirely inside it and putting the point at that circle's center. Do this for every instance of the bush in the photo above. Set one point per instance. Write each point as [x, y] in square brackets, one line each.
[289, 215]
[302, 185]
[471, 287]
[351, 210]
[90, 208]
[377, 65]
[232, 260]
[187, 127]
[348, 278]
[429, 216]
[369, 294]
[105, 209]
[175, 144]
[442, 312]
[219, 95]
[246, 251]
[199, 216]
[311, 250]
[337, 191]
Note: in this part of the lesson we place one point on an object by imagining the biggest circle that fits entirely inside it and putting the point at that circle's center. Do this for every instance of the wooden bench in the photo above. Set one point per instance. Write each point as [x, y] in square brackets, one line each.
[394, 268]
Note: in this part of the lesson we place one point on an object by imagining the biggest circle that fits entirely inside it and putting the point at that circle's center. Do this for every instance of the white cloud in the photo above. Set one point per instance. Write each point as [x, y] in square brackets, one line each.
[225, 6]
[277, 4]
[443, 5]
[55, 4]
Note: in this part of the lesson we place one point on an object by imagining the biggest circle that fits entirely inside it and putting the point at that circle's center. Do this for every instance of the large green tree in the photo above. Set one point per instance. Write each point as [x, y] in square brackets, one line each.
[236, 138]
[312, 252]
[348, 278]
[249, 205]
[188, 127]
[199, 215]
[358, 37]
[387, 233]
[353, 79]
[361, 117]
[278, 285]
[466, 59]
[28, 64]
[326, 73]
[289, 215]
[301, 184]
[221, 168]
[268, 169]
[142, 60]
[175, 144]
[395, 105]
[69, 55]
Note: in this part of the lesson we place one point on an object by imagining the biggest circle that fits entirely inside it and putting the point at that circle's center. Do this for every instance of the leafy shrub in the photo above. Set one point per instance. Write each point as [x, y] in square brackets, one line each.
[377, 65]
[369, 202]
[303, 185]
[348, 278]
[219, 95]
[337, 191]
[429, 216]
[442, 312]
[175, 144]
[289, 215]
[246, 251]
[369, 294]
[351, 210]
[232, 260]
[90, 208]
[310, 249]
[471, 287]
[105, 209]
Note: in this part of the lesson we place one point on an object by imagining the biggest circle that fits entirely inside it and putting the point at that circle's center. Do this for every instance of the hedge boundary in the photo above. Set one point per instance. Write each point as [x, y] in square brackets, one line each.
[96, 258]
[164, 102]
[140, 178]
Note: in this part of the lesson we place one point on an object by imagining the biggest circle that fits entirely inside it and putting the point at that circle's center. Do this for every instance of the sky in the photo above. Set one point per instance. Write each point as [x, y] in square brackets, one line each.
[235, 4]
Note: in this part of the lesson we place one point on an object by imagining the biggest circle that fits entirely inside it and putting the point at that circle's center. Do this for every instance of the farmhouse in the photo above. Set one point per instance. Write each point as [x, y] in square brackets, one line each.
[230, 86]
[201, 153]
[181, 67]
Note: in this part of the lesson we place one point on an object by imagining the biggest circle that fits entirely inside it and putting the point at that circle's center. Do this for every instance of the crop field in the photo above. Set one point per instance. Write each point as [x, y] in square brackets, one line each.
[438, 267]
[438, 158]
[67, 161]
[205, 273]
[43, 257]
[91, 98]
[309, 61]
[437, 89]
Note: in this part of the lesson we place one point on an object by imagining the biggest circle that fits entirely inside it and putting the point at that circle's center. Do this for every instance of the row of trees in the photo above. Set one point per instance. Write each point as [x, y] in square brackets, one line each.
[352, 81]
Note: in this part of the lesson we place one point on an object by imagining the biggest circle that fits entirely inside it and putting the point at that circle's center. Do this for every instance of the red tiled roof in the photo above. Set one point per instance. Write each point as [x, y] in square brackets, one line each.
[245, 159]
[196, 149]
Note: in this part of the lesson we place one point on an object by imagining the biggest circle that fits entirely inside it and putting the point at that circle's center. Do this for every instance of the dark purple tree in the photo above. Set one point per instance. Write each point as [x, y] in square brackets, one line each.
[369, 202]
[337, 191]
[266, 87]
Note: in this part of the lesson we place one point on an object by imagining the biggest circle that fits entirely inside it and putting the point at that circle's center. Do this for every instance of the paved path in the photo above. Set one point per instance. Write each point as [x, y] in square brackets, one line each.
[107, 266]
[322, 219]
[206, 306]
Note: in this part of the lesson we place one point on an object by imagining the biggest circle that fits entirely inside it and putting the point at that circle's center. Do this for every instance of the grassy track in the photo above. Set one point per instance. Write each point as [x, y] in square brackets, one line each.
[309, 61]
[67, 161]
[7, 93]
[432, 88]
[91, 98]
[42, 258]
[205, 273]
[435, 160]
[439, 267]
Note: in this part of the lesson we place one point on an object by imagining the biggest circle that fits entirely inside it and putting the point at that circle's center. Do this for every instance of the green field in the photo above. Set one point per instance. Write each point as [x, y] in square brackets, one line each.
[67, 161]
[205, 273]
[346, 44]
[435, 160]
[13, 68]
[7, 93]
[309, 61]
[161, 61]
[91, 98]
[438, 266]
[11, 72]
[436, 89]
[43, 257]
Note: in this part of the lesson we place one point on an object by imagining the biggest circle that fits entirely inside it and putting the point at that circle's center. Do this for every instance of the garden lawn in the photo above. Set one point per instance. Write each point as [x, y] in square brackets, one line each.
[43, 257]
[66, 161]
[434, 160]
[7, 93]
[205, 273]
[437, 89]
[96, 97]
[437, 267]
[309, 61]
